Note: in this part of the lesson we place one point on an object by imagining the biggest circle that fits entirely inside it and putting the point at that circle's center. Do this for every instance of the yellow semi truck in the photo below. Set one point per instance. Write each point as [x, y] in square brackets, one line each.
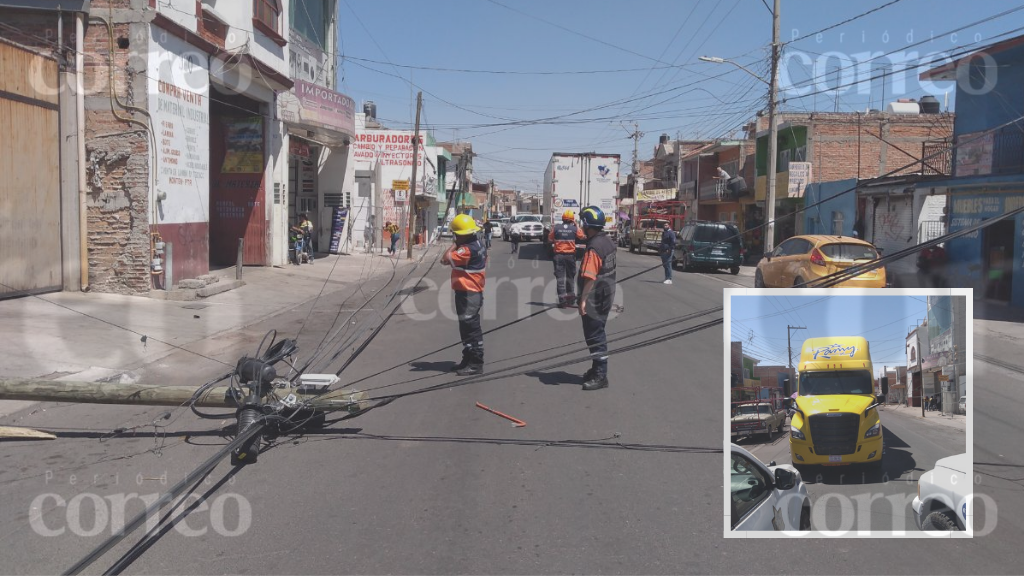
[835, 420]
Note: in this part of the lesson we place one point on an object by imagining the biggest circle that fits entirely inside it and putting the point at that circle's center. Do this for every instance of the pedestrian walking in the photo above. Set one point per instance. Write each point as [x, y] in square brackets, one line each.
[667, 250]
[468, 260]
[563, 237]
[515, 242]
[392, 229]
[596, 292]
[488, 228]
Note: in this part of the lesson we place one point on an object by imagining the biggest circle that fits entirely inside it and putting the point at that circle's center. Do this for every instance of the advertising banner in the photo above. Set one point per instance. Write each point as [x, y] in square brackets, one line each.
[940, 324]
[338, 220]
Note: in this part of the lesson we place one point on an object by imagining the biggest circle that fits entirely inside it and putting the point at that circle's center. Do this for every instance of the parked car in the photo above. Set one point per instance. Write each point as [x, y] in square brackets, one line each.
[503, 224]
[801, 261]
[646, 234]
[768, 497]
[942, 501]
[754, 417]
[709, 245]
[963, 404]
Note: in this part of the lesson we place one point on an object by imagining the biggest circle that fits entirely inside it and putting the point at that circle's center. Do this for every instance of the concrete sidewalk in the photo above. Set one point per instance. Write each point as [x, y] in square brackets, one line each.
[67, 333]
[957, 421]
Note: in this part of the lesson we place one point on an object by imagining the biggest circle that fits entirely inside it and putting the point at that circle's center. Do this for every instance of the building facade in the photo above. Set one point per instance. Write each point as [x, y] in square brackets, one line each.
[988, 174]
[182, 144]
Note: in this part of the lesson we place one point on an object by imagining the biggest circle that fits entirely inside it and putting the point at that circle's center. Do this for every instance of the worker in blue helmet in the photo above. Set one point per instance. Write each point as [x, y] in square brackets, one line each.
[596, 293]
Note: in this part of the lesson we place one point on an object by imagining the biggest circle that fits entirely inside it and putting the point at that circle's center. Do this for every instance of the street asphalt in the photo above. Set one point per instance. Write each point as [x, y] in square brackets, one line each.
[626, 480]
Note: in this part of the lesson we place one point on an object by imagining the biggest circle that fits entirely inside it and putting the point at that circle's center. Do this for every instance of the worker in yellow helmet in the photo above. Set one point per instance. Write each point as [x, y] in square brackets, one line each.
[563, 238]
[468, 260]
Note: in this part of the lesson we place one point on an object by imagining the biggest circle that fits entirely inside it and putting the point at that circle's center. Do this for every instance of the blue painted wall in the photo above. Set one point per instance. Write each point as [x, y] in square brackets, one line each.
[818, 220]
[966, 260]
[1005, 102]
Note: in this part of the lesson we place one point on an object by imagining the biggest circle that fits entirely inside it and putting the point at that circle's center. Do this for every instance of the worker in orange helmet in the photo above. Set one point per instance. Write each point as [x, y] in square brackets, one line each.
[468, 260]
[563, 237]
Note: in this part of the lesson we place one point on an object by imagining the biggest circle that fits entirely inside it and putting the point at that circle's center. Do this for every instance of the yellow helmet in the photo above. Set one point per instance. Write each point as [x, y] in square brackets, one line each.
[463, 224]
[568, 215]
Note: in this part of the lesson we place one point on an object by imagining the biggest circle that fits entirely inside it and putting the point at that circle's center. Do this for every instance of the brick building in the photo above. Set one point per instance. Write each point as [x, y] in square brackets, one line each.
[178, 146]
[826, 147]
[774, 377]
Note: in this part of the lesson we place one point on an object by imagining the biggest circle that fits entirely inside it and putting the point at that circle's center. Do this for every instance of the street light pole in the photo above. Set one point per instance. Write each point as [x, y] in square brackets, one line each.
[773, 129]
[773, 133]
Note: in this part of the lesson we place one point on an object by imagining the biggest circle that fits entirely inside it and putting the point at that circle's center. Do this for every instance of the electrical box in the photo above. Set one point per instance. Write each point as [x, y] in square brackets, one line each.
[316, 383]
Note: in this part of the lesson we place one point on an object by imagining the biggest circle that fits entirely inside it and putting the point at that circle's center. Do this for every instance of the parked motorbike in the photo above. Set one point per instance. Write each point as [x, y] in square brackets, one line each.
[301, 249]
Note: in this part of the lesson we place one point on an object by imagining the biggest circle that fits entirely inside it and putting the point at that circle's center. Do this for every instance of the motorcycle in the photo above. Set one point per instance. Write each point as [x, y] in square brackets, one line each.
[301, 248]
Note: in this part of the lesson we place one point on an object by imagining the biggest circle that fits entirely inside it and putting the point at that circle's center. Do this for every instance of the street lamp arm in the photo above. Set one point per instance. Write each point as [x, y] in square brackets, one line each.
[717, 60]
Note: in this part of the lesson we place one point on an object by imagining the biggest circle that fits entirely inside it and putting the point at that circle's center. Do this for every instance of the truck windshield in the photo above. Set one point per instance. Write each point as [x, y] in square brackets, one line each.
[745, 409]
[527, 219]
[836, 382]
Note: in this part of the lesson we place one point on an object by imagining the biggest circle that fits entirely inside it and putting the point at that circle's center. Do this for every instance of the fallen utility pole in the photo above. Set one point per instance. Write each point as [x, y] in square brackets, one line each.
[155, 395]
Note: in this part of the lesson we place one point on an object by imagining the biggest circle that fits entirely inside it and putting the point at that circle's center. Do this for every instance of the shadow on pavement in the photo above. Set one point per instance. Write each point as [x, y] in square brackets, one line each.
[895, 464]
[556, 378]
[445, 366]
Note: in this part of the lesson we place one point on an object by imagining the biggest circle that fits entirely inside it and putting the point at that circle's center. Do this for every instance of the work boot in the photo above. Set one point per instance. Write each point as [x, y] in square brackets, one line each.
[461, 365]
[596, 382]
[588, 375]
[471, 370]
[570, 300]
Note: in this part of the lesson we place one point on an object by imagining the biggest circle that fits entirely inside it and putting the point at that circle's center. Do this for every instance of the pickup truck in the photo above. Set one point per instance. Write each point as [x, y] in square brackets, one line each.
[750, 418]
[944, 494]
[646, 234]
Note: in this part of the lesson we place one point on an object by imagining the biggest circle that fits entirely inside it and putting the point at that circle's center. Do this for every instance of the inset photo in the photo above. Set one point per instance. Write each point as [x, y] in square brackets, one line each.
[847, 413]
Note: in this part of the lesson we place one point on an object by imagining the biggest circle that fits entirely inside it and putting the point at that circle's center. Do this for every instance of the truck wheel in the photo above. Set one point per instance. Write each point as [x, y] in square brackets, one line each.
[632, 248]
[734, 270]
[758, 279]
[939, 521]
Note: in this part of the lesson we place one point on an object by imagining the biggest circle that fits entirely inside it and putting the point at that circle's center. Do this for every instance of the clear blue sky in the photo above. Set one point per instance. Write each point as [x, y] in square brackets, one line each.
[884, 320]
[646, 58]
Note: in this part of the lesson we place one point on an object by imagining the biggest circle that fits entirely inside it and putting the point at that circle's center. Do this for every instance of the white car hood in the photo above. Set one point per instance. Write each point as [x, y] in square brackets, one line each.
[960, 463]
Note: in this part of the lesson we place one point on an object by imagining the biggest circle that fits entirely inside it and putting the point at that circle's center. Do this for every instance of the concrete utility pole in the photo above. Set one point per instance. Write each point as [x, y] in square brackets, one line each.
[789, 342]
[146, 394]
[412, 182]
[773, 132]
[636, 135]
[490, 199]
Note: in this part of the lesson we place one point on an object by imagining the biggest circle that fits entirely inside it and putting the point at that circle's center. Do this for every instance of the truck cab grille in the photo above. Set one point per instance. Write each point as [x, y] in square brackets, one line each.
[834, 433]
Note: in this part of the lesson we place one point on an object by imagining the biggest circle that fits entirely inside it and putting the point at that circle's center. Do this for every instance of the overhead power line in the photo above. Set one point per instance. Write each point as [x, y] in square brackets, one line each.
[847, 21]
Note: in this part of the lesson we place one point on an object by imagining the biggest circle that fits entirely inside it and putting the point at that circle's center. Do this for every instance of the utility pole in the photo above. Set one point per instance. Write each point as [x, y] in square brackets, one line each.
[789, 342]
[490, 199]
[636, 135]
[773, 132]
[412, 182]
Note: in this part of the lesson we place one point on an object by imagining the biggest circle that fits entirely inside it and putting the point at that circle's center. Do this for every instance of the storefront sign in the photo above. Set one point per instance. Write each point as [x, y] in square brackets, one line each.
[243, 145]
[179, 88]
[799, 178]
[656, 195]
[318, 107]
[974, 154]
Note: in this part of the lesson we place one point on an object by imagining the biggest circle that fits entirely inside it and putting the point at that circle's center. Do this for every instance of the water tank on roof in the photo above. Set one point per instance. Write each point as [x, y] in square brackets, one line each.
[902, 107]
[370, 109]
[663, 139]
[929, 105]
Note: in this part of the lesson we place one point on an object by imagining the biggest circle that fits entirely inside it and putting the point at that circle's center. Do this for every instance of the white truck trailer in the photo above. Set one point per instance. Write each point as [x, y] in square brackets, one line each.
[575, 180]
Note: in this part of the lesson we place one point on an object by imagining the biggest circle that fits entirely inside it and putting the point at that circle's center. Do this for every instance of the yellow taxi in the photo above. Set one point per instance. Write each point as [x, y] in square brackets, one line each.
[802, 260]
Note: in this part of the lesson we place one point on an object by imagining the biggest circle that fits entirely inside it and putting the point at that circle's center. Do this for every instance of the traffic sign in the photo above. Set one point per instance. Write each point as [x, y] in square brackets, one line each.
[399, 184]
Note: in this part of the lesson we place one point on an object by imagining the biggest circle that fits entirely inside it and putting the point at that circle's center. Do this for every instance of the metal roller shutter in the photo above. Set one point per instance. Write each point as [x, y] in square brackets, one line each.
[893, 227]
